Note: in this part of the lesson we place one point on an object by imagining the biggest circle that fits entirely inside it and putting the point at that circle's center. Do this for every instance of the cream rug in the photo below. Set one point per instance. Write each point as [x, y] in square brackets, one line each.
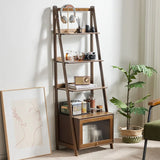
[121, 151]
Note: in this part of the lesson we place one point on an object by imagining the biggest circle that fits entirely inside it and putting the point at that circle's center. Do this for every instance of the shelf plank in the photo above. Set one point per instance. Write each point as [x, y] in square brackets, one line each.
[89, 115]
[81, 90]
[73, 32]
[77, 9]
[83, 33]
[92, 115]
[74, 62]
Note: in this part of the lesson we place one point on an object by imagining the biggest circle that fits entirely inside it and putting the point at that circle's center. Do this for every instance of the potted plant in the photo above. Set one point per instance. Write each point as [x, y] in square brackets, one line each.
[132, 134]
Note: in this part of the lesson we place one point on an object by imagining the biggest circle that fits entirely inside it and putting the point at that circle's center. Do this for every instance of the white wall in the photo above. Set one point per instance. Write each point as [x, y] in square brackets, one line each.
[25, 46]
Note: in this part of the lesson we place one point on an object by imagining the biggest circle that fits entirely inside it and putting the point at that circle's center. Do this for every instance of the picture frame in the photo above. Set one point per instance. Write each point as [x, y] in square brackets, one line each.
[25, 123]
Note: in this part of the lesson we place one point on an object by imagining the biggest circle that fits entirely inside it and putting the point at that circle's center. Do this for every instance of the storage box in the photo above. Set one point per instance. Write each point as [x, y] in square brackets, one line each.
[76, 107]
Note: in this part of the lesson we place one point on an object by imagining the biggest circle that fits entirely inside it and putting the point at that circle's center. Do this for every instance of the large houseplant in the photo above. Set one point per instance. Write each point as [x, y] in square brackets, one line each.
[129, 107]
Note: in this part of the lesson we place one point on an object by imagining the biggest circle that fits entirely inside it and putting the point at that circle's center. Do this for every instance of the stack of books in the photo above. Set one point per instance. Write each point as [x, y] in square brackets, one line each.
[81, 87]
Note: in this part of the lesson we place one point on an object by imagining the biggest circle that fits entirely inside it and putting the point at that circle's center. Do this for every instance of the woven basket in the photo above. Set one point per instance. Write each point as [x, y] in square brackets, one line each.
[134, 135]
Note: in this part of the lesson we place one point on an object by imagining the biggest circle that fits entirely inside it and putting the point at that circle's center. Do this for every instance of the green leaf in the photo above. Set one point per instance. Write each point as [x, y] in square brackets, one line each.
[124, 110]
[142, 99]
[139, 110]
[131, 104]
[118, 103]
[121, 69]
[132, 76]
[151, 68]
[124, 114]
[138, 84]
[148, 71]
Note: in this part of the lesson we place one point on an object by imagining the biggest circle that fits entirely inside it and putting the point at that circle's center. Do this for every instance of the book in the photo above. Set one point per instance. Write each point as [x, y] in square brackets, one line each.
[81, 87]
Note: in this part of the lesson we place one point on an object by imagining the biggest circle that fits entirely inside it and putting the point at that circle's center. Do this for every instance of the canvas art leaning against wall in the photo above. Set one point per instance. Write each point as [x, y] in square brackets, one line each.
[25, 123]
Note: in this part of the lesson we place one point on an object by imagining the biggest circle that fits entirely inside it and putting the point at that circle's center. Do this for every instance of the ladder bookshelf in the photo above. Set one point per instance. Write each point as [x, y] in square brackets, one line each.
[69, 128]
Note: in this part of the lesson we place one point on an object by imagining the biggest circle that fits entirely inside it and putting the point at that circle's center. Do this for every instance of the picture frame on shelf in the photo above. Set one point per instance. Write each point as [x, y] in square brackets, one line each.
[25, 123]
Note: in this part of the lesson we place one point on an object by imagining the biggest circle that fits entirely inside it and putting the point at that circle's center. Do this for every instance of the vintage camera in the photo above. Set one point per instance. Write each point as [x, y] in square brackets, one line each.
[89, 56]
[80, 80]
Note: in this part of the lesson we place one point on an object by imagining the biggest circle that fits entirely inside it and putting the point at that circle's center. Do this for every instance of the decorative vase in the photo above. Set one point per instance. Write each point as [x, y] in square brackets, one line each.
[133, 135]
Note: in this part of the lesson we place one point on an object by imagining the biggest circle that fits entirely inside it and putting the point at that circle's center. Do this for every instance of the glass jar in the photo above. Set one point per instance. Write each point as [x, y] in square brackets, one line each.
[69, 56]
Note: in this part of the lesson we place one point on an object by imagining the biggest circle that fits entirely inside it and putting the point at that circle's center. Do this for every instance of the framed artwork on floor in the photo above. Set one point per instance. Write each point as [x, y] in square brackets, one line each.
[25, 123]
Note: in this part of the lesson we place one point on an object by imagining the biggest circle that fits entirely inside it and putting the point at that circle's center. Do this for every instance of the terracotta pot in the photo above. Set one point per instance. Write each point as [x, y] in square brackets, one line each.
[133, 135]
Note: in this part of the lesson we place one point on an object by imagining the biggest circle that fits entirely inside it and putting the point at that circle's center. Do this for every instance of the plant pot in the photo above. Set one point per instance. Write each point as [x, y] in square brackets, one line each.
[133, 135]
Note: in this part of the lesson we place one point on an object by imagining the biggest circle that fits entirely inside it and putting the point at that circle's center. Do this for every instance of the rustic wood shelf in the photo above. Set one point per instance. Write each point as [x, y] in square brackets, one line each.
[82, 90]
[70, 130]
[92, 115]
[83, 33]
[73, 32]
[75, 62]
[77, 9]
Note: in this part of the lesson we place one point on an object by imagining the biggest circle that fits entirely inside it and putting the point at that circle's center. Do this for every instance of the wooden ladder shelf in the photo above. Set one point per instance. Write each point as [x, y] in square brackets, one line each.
[75, 122]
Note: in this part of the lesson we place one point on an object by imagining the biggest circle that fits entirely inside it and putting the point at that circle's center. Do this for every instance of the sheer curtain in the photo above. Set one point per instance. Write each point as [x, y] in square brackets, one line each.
[152, 48]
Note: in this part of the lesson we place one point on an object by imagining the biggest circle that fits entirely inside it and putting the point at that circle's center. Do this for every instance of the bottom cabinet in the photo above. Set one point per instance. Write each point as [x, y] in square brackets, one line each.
[91, 130]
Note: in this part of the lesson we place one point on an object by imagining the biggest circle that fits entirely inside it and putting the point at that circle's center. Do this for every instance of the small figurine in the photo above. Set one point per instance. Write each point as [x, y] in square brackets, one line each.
[79, 29]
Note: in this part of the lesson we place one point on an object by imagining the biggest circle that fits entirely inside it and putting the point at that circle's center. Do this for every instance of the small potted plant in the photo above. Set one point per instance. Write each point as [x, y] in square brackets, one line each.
[132, 134]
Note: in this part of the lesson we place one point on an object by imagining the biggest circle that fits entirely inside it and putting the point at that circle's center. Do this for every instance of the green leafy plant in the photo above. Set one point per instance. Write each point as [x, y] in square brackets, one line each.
[127, 108]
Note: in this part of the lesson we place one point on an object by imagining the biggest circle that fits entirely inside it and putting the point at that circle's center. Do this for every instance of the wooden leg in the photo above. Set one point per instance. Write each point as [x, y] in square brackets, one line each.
[76, 152]
[111, 146]
[57, 147]
[144, 150]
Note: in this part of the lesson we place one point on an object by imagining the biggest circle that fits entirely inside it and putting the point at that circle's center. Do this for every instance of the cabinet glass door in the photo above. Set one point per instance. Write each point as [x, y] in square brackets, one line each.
[95, 131]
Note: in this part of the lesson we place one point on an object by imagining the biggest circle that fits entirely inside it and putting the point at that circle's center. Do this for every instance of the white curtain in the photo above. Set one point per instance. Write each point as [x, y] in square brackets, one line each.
[152, 48]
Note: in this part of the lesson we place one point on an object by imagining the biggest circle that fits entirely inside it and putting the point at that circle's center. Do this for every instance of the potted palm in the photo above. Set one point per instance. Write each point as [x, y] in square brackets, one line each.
[132, 134]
